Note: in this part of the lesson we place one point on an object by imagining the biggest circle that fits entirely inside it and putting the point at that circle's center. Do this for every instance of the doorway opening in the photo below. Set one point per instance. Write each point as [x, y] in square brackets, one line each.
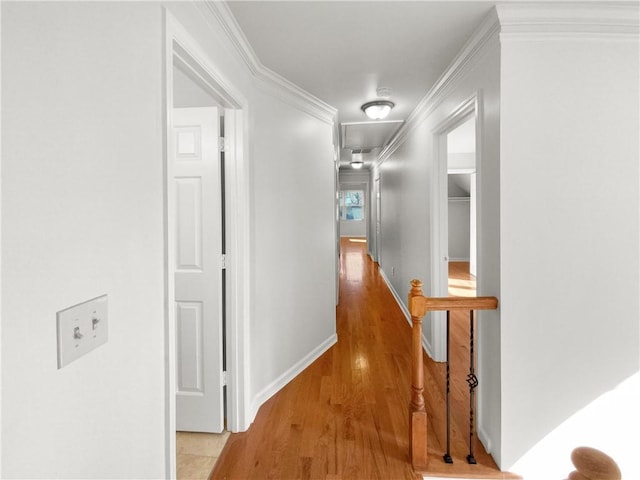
[206, 204]
[198, 217]
[461, 209]
[454, 213]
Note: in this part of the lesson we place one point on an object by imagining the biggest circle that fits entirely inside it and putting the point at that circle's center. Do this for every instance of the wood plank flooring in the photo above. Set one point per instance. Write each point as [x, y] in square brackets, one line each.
[346, 416]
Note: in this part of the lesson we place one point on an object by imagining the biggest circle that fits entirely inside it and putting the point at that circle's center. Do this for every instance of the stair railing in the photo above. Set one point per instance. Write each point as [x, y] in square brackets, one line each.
[419, 305]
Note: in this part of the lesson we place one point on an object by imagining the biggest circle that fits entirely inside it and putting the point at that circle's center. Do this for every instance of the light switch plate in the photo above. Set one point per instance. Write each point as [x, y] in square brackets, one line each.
[81, 328]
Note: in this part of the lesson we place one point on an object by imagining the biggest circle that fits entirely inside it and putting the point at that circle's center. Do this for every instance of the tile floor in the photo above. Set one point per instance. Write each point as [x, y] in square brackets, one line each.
[197, 453]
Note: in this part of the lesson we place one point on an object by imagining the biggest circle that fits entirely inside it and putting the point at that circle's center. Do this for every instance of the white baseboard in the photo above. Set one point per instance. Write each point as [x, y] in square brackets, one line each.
[451, 259]
[399, 301]
[484, 438]
[427, 346]
[425, 343]
[275, 386]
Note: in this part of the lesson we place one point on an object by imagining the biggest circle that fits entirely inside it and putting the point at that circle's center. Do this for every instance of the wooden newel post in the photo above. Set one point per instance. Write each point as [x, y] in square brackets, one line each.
[417, 412]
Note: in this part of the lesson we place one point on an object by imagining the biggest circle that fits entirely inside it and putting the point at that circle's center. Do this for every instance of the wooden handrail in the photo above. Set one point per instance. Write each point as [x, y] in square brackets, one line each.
[419, 305]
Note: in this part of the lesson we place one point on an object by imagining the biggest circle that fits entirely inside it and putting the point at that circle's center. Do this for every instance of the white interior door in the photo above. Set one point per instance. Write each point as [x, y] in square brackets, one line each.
[198, 277]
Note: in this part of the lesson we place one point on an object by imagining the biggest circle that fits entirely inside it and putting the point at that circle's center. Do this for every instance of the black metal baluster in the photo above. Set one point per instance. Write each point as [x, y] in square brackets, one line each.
[472, 380]
[447, 456]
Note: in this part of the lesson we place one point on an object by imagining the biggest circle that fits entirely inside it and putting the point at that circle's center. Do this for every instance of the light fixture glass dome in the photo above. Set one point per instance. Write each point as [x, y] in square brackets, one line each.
[357, 160]
[378, 109]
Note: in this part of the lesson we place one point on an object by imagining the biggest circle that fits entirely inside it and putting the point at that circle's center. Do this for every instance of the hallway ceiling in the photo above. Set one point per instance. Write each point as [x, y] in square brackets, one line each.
[342, 51]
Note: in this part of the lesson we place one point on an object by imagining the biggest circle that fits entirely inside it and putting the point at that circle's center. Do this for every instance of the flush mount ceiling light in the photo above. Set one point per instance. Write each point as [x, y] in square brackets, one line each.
[357, 160]
[378, 109]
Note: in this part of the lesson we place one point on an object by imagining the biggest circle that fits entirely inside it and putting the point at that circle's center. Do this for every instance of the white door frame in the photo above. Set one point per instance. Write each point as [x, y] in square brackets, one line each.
[439, 214]
[181, 48]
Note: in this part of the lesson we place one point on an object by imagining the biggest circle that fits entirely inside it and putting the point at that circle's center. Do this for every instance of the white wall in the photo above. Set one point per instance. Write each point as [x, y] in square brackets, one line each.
[294, 236]
[569, 235]
[461, 160]
[558, 221]
[290, 295]
[459, 223]
[188, 93]
[406, 215]
[82, 215]
[1, 409]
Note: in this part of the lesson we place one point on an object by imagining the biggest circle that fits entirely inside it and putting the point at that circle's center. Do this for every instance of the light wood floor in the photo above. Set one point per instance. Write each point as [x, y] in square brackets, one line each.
[346, 415]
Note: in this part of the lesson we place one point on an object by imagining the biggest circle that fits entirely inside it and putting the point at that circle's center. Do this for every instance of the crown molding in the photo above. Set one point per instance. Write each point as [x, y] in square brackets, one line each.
[484, 36]
[525, 21]
[550, 21]
[270, 82]
[267, 80]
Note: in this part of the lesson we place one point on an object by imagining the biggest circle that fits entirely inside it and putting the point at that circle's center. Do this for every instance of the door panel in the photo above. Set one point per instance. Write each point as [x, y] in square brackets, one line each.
[190, 368]
[198, 288]
[189, 224]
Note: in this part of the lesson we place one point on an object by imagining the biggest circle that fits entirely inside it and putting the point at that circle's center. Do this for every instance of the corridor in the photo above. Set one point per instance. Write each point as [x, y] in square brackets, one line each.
[346, 415]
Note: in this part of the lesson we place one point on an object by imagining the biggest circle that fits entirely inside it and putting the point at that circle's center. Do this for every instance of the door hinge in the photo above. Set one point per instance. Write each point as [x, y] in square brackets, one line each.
[223, 261]
[224, 378]
[222, 144]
